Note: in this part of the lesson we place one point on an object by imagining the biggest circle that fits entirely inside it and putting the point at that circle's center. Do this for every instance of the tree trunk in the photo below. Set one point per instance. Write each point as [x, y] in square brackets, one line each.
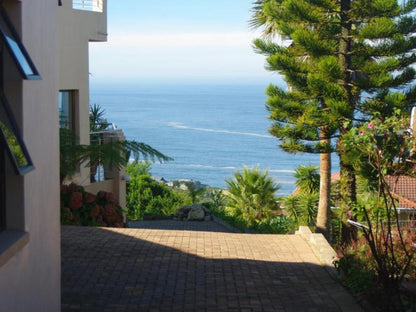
[324, 194]
[347, 177]
[348, 187]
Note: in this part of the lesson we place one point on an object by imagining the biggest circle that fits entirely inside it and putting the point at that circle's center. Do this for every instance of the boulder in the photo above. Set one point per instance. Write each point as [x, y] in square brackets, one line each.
[183, 212]
[196, 213]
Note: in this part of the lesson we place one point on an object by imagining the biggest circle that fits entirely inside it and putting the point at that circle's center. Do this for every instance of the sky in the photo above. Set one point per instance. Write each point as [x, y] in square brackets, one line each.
[179, 41]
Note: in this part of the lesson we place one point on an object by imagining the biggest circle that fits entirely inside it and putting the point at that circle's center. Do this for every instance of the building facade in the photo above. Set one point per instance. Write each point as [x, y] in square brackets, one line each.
[44, 63]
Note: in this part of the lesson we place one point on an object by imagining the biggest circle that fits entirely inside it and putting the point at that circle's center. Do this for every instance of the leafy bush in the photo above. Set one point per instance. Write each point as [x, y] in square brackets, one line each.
[356, 268]
[144, 196]
[79, 207]
[221, 213]
[278, 225]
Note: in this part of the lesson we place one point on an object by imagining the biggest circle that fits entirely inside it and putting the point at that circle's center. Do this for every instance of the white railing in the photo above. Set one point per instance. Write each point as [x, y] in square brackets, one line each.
[88, 5]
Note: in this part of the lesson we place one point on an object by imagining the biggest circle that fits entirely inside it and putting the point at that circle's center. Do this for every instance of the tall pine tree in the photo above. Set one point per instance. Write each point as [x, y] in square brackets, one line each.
[347, 60]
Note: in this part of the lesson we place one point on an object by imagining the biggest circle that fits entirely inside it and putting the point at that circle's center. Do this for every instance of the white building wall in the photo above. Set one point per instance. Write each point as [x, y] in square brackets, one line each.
[76, 29]
[30, 277]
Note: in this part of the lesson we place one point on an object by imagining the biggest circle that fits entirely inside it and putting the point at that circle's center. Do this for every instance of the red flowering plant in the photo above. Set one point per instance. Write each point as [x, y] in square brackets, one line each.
[79, 207]
[377, 149]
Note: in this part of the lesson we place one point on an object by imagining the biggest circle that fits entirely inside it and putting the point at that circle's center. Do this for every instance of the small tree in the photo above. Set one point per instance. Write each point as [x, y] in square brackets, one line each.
[302, 206]
[251, 195]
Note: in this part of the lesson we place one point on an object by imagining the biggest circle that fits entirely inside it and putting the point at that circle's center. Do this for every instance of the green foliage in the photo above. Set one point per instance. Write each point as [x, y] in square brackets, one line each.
[137, 168]
[71, 153]
[146, 196]
[345, 62]
[217, 198]
[302, 208]
[356, 270]
[250, 203]
[251, 195]
[97, 120]
[386, 148]
[224, 215]
[380, 144]
[277, 225]
[114, 154]
[194, 192]
[14, 145]
[307, 179]
[79, 207]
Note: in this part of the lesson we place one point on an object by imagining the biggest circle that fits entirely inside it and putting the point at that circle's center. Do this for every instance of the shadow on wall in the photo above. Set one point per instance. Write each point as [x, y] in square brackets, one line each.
[110, 270]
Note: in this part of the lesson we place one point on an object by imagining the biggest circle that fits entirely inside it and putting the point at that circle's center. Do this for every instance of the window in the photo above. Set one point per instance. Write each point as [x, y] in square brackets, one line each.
[88, 5]
[11, 142]
[67, 109]
[16, 49]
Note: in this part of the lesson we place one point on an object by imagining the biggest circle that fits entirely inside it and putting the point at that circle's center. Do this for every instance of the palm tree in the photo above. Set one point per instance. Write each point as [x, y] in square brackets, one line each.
[307, 179]
[251, 195]
[115, 154]
[302, 207]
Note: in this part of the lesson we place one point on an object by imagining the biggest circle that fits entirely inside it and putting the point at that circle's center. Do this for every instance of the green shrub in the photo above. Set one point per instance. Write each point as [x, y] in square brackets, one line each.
[278, 225]
[146, 196]
[357, 271]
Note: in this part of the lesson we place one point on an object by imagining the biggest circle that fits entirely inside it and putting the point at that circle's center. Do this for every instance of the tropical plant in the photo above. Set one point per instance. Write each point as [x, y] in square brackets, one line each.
[114, 154]
[194, 191]
[217, 198]
[251, 195]
[307, 179]
[97, 120]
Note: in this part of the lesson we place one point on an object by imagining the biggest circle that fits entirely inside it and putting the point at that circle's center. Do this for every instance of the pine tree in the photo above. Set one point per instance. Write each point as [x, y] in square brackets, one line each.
[306, 116]
[346, 61]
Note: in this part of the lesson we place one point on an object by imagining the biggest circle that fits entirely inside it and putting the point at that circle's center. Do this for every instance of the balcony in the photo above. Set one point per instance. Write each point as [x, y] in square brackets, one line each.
[88, 5]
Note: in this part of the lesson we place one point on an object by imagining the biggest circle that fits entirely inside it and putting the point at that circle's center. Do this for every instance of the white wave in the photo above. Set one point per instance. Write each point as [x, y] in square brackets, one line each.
[179, 125]
[199, 166]
[282, 171]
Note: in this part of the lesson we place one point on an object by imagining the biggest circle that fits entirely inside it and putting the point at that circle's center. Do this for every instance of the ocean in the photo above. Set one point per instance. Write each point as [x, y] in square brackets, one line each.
[211, 131]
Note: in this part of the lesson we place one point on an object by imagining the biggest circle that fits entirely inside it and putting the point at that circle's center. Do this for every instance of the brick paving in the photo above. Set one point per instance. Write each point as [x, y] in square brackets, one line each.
[193, 266]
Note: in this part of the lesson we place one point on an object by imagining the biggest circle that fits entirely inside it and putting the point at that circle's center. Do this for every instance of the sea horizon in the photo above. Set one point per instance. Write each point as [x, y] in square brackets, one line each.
[211, 130]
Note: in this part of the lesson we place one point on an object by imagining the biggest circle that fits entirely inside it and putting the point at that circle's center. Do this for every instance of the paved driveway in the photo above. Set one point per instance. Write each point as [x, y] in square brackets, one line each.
[193, 266]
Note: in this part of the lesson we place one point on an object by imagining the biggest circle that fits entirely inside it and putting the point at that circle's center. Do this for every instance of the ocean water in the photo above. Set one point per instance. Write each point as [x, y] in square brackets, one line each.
[211, 131]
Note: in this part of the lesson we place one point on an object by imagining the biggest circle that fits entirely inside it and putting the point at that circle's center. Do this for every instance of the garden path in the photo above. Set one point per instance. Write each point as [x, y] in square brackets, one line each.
[193, 266]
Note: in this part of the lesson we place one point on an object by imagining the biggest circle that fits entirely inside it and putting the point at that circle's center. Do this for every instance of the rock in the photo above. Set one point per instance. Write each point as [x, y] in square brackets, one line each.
[196, 213]
[183, 212]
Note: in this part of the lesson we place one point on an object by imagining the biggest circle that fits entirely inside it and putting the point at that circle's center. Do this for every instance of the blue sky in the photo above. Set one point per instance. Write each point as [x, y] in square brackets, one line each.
[178, 41]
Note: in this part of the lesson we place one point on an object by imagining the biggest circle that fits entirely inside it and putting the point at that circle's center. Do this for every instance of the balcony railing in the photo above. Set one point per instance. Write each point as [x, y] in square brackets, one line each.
[88, 5]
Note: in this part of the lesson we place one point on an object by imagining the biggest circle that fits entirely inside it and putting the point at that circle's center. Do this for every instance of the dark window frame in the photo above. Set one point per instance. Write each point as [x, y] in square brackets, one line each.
[72, 109]
[28, 166]
[28, 71]
[16, 49]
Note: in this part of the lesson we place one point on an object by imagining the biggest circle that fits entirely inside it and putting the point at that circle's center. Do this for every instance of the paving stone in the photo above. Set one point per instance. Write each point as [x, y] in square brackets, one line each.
[193, 266]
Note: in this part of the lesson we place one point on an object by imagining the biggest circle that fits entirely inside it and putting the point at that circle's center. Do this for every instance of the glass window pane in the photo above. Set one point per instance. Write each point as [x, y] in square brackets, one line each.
[66, 108]
[16, 48]
[17, 151]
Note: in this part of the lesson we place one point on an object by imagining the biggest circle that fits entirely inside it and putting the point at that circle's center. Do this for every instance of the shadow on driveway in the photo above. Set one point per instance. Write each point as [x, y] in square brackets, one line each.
[180, 270]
